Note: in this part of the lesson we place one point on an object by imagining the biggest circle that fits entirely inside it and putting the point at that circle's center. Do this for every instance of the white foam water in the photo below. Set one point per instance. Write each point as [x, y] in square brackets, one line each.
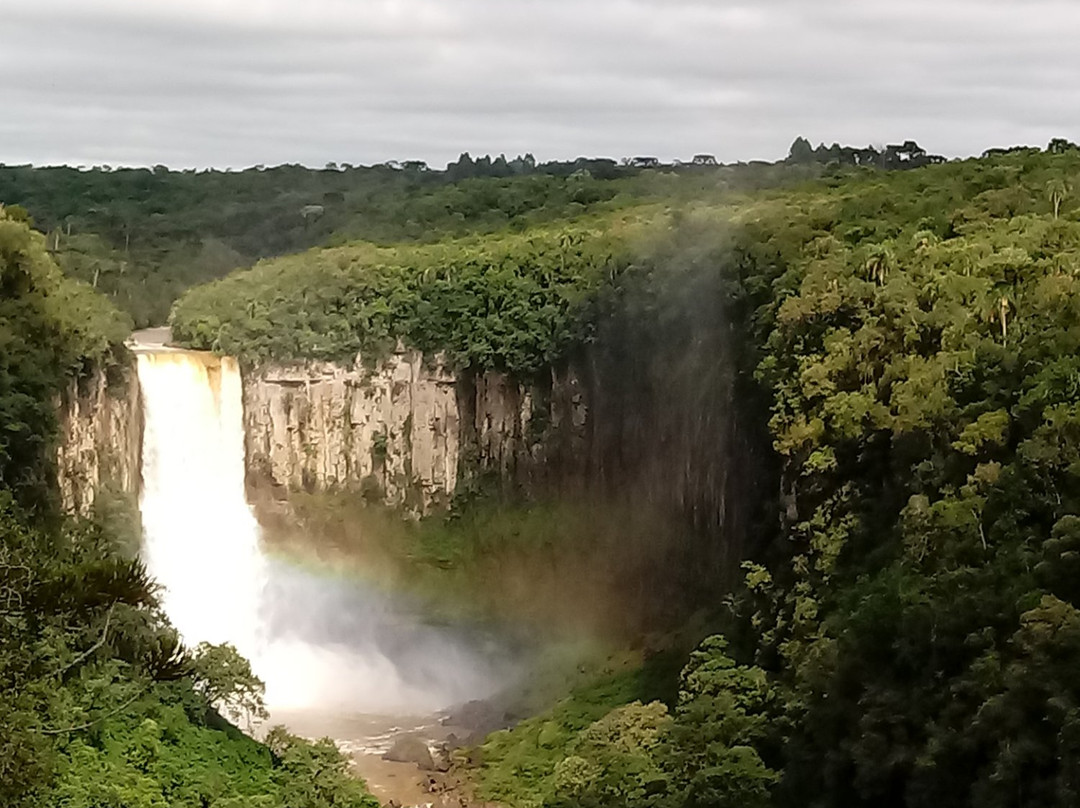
[201, 537]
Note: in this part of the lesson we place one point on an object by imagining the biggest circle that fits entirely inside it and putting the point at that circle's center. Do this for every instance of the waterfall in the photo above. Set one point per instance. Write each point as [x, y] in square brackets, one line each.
[202, 539]
[318, 643]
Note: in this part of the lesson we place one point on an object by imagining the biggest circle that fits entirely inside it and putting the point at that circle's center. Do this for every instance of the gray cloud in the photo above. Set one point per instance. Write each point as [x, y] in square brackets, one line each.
[241, 82]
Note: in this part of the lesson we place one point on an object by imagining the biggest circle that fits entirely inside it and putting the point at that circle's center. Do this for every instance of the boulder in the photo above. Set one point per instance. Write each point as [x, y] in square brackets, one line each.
[474, 721]
[411, 749]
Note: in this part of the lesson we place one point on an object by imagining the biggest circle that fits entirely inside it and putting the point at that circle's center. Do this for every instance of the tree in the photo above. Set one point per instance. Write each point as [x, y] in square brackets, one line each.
[1056, 191]
[801, 151]
[225, 678]
[615, 761]
[878, 262]
[723, 711]
[1060, 145]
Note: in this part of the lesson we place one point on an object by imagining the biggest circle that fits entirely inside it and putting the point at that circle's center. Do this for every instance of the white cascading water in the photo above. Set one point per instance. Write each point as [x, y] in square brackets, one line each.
[202, 540]
[315, 646]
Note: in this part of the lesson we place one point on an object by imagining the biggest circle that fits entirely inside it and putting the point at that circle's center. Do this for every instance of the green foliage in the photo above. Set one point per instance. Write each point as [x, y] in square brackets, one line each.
[225, 679]
[722, 713]
[526, 765]
[518, 303]
[156, 755]
[51, 329]
[918, 342]
[143, 236]
[604, 747]
[315, 775]
[615, 760]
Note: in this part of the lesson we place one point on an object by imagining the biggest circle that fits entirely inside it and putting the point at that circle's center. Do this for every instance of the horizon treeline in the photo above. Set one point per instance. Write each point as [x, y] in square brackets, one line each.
[144, 235]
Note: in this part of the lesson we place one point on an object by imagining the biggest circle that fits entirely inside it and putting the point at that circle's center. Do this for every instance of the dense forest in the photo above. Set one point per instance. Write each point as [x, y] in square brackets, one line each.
[100, 704]
[907, 629]
[906, 633]
[144, 235]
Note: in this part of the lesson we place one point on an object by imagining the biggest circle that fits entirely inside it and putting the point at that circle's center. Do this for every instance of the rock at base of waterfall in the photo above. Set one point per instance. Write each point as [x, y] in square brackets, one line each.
[411, 749]
[473, 721]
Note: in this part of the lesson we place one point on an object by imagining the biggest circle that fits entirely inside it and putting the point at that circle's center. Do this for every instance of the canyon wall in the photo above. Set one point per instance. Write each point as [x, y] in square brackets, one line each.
[405, 432]
[100, 440]
[656, 414]
[652, 430]
[391, 432]
[648, 419]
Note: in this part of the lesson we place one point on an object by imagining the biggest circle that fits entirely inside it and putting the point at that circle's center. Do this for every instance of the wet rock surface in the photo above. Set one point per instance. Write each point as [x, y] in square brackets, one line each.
[411, 749]
[473, 721]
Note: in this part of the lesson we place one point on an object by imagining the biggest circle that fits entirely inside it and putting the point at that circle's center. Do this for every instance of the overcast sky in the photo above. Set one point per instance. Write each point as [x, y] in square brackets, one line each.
[242, 82]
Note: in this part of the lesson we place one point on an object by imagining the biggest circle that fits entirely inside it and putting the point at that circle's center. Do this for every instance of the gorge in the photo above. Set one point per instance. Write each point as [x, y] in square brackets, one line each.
[342, 655]
[815, 451]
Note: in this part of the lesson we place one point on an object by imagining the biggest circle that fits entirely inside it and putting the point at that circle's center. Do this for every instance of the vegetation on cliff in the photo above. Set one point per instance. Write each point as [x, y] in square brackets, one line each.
[51, 328]
[516, 303]
[142, 236]
[100, 704]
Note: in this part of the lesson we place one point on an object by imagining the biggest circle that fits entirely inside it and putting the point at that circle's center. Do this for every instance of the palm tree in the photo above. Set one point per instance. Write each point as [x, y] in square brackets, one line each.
[878, 263]
[998, 310]
[1056, 191]
[1003, 312]
[924, 239]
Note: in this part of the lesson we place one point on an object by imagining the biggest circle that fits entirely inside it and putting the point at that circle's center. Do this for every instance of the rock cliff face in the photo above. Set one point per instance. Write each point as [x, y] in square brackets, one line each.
[392, 432]
[100, 442]
[406, 432]
[646, 419]
[652, 417]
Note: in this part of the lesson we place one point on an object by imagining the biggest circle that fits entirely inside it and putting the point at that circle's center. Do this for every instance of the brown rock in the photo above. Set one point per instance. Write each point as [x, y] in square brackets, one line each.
[411, 749]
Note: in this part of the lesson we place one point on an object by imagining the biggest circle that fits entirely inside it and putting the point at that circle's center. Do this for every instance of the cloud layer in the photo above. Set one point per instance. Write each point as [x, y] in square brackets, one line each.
[241, 82]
